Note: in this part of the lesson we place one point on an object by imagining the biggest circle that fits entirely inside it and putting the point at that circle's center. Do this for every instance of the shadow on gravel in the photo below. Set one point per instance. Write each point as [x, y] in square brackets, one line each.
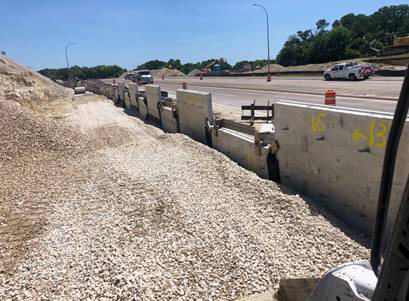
[318, 208]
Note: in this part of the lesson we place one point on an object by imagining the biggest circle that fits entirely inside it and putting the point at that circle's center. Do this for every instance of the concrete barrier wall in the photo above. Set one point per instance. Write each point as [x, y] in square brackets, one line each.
[127, 99]
[153, 97]
[133, 94]
[332, 154]
[169, 123]
[240, 148]
[143, 108]
[336, 156]
[194, 109]
[121, 92]
[99, 87]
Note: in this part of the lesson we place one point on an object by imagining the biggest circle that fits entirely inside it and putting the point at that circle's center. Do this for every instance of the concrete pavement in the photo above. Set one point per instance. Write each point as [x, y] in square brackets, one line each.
[238, 97]
[376, 94]
[379, 87]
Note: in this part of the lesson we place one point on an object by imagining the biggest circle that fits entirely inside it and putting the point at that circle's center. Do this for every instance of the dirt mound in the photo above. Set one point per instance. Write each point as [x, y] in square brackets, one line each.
[273, 68]
[24, 85]
[33, 152]
[194, 72]
[319, 67]
[166, 72]
[25, 133]
[324, 66]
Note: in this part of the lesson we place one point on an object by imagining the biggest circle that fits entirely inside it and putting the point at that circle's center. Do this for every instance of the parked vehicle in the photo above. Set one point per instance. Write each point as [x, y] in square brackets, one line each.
[349, 71]
[144, 76]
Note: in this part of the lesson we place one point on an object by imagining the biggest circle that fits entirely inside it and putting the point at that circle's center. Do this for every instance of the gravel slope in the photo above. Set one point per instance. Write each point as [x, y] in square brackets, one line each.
[122, 211]
[30, 88]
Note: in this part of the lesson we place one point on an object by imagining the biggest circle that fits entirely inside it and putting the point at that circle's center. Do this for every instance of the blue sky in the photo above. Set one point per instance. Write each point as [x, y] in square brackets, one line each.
[130, 32]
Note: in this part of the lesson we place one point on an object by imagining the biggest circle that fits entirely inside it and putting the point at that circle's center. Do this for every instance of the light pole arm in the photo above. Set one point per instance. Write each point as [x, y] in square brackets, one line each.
[268, 35]
[66, 57]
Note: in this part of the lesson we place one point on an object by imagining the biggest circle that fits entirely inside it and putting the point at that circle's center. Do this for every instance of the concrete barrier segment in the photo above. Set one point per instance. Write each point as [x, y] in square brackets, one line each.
[240, 148]
[153, 95]
[335, 155]
[133, 94]
[168, 120]
[143, 108]
[194, 109]
[127, 98]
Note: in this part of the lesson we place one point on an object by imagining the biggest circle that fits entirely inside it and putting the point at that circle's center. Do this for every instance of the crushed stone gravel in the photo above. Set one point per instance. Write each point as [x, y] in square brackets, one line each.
[100, 206]
[28, 87]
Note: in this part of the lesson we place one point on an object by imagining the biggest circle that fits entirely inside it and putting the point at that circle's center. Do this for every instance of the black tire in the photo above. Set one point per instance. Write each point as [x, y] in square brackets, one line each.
[352, 76]
[327, 77]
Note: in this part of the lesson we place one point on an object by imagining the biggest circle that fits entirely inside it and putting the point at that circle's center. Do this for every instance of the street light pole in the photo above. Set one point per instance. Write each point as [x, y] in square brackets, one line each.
[268, 41]
[66, 57]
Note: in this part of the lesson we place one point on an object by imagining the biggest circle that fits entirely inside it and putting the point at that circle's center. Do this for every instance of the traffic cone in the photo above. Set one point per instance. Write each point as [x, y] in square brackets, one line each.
[330, 97]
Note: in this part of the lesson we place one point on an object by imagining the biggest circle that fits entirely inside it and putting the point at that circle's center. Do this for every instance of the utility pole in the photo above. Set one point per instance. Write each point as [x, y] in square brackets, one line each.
[268, 41]
[66, 57]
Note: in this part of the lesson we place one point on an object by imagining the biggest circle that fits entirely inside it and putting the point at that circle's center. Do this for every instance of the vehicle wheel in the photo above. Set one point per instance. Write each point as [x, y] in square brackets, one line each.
[352, 76]
[327, 77]
[366, 76]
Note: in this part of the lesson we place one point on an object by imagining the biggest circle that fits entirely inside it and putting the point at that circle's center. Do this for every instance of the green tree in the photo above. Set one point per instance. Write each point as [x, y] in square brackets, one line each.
[100, 71]
[152, 65]
[350, 37]
[174, 64]
[322, 24]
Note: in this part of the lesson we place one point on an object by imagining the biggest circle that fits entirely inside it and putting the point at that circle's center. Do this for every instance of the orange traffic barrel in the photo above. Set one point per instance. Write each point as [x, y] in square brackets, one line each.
[330, 97]
[269, 77]
[184, 85]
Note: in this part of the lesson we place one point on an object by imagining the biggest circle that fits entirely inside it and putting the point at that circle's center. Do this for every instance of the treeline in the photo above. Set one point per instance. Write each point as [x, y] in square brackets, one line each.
[176, 64]
[187, 67]
[77, 72]
[350, 37]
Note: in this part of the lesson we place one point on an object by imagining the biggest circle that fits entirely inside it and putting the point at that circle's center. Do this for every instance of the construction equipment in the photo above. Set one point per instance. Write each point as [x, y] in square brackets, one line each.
[400, 46]
[213, 67]
[395, 54]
